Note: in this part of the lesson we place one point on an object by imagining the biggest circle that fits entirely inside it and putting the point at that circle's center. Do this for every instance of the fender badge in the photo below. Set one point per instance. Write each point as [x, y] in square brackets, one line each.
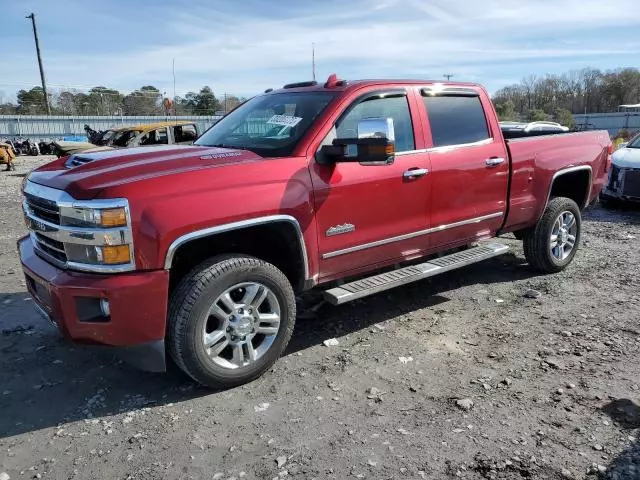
[340, 229]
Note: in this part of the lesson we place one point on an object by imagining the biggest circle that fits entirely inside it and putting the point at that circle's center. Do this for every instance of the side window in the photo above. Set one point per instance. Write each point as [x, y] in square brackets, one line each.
[396, 108]
[155, 137]
[185, 133]
[456, 120]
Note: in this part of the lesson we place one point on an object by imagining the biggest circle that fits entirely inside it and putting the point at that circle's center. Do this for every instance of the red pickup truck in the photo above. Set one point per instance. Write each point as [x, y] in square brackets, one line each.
[351, 187]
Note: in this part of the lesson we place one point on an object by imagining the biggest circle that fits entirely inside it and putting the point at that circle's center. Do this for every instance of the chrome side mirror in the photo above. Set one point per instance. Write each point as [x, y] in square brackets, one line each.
[376, 128]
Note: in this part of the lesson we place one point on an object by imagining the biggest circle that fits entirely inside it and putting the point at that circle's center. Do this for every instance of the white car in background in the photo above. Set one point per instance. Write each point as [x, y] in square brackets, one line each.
[624, 175]
[520, 129]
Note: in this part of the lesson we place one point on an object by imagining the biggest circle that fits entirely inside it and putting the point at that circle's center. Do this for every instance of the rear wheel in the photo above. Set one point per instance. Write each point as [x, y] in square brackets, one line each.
[551, 245]
[230, 319]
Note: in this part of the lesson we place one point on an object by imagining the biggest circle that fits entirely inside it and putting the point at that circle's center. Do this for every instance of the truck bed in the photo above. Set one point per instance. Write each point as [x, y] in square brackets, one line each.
[534, 161]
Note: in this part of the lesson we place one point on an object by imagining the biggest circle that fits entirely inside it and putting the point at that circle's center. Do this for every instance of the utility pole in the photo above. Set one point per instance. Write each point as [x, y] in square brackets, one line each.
[173, 67]
[44, 84]
[448, 76]
[313, 61]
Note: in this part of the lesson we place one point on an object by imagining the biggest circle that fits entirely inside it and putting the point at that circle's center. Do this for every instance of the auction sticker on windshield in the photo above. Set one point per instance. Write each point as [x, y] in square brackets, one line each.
[284, 120]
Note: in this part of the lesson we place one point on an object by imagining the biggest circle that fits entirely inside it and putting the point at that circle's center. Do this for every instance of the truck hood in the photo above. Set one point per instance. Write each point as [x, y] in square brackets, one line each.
[84, 175]
[626, 158]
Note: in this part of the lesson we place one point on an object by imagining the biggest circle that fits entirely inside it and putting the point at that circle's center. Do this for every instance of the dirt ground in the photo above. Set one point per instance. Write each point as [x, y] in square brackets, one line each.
[461, 376]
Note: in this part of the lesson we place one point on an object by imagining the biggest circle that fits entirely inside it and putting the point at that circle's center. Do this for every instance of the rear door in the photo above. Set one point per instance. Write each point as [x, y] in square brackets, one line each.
[469, 165]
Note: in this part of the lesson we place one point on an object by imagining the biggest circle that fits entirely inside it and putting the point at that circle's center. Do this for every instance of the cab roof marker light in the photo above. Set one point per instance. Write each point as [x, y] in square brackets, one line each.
[332, 81]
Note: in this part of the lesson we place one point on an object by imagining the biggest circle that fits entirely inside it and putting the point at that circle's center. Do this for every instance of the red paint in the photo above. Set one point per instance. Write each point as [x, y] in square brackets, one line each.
[138, 301]
[176, 190]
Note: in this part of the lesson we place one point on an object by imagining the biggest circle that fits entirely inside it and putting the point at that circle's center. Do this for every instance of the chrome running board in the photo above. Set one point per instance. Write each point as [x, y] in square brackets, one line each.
[384, 281]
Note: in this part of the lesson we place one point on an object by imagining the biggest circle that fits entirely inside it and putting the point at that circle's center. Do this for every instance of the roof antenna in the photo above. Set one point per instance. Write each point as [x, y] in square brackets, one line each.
[313, 60]
[448, 76]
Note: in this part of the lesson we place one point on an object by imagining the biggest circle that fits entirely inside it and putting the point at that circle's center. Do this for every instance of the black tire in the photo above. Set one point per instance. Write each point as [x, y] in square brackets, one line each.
[191, 301]
[536, 241]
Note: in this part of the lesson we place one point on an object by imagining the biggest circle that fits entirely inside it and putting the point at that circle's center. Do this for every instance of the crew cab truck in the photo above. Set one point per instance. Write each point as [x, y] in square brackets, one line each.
[347, 186]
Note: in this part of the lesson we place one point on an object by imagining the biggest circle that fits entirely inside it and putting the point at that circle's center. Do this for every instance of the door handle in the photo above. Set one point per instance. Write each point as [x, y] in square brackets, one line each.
[494, 161]
[415, 172]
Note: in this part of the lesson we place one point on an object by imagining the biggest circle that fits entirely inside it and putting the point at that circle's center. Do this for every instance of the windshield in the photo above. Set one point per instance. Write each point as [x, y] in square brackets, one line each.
[269, 125]
[635, 142]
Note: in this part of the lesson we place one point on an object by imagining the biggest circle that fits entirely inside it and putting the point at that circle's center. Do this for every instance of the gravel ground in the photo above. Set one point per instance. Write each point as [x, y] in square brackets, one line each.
[460, 376]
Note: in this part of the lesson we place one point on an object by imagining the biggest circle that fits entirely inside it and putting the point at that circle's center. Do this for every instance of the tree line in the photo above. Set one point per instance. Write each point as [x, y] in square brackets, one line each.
[146, 100]
[557, 97]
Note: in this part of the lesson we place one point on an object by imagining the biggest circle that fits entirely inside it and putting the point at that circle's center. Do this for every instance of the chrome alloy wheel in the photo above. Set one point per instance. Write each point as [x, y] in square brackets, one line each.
[241, 325]
[563, 235]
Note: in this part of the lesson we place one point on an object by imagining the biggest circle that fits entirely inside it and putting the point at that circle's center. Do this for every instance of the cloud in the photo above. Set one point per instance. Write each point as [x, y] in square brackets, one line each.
[244, 47]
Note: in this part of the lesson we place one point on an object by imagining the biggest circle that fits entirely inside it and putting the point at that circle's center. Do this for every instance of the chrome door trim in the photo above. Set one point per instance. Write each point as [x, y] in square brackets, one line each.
[408, 236]
[227, 227]
[410, 152]
[446, 148]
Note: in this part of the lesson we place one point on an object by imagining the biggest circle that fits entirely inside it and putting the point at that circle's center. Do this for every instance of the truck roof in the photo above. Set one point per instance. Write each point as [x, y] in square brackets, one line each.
[335, 84]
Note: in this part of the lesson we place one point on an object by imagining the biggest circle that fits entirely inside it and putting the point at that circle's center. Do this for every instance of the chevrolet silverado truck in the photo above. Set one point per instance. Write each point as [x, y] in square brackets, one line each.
[351, 187]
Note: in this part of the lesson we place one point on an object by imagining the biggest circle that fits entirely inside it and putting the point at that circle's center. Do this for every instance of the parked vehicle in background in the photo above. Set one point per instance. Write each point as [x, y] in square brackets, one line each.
[518, 129]
[161, 133]
[7, 155]
[47, 148]
[624, 177]
[202, 249]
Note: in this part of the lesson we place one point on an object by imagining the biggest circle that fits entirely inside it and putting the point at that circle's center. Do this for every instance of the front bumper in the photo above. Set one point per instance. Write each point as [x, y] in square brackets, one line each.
[136, 323]
[623, 184]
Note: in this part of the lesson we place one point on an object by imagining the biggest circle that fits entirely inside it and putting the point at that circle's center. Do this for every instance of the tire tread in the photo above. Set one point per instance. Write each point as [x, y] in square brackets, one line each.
[536, 242]
[188, 292]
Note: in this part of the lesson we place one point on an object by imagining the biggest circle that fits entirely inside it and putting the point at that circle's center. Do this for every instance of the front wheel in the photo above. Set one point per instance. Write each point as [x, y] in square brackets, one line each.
[230, 319]
[551, 245]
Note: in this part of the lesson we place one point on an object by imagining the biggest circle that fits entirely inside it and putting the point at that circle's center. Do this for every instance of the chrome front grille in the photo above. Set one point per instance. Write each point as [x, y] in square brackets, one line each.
[44, 209]
[62, 234]
[51, 247]
[43, 215]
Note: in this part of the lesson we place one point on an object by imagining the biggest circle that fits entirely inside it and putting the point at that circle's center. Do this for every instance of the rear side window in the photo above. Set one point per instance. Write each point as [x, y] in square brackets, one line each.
[456, 120]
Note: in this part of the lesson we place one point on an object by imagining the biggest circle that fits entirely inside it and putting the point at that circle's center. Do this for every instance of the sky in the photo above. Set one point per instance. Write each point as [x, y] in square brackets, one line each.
[243, 47]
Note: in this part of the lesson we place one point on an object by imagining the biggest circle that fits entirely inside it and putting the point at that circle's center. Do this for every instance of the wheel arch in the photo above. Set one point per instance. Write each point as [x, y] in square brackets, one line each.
[281, 242]
[574, 183]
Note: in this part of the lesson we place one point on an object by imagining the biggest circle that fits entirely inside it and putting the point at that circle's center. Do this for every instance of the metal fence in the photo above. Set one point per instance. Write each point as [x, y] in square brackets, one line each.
[613, 122]
[41, 127]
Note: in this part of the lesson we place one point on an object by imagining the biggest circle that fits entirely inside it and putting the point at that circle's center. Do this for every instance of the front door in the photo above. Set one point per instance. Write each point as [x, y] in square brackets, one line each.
[372, 215]
[469, 168]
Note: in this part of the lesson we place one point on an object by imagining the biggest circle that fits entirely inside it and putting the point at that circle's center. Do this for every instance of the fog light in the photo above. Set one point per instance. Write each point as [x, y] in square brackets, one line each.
[104, 307]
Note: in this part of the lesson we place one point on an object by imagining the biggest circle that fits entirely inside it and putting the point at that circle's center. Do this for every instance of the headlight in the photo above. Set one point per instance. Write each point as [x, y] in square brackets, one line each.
[88, 235]
[93, 217]
[98, 255]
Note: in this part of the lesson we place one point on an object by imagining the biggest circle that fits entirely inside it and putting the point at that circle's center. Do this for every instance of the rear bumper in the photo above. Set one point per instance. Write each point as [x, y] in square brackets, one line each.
[136, 324]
